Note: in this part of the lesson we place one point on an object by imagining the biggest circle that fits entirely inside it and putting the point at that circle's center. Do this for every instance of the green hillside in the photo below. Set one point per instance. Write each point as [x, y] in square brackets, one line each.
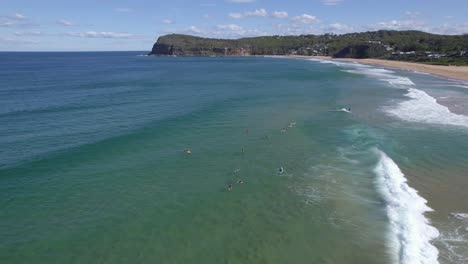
[385, 44]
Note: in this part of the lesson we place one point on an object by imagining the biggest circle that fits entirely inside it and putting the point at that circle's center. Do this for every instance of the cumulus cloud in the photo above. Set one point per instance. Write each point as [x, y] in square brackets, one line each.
[231, 27]
[451, 29]
[331, 2]
[32, 33]
[167, 21]
[222, 31]
[412, 14]
[257, 13]
[409, 24]
[67, 23]
[338, 28]
[305, 19]
[102, 34]
[235, 31]
[7, 24]
[398, 25]
[194, 29]
[236, 15]
[18, 16]
[279, 14]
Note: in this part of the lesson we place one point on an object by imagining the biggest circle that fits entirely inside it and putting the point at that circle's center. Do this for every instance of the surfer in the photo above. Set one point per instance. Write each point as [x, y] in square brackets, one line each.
[280, 170]
[229, 187]
[187, 151]
[240, 181]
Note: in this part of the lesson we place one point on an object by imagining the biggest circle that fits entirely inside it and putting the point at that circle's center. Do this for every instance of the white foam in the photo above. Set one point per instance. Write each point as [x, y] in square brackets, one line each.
[460, 216]
[424, 108]
[383, 75]
[459, 85]
[410, 232]
[342, 63]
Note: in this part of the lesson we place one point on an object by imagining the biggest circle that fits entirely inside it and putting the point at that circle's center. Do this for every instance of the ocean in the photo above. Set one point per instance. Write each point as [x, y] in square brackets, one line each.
[93, 166]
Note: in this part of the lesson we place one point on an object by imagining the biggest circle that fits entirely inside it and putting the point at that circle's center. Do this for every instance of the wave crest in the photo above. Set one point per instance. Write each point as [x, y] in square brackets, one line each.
[410, 232]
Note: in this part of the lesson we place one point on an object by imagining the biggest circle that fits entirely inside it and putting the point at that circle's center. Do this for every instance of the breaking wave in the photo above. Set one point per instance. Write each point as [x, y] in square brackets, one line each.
[410, 232]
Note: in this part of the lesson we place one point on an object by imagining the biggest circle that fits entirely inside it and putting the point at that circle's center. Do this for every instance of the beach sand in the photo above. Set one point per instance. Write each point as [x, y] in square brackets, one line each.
[451, 72]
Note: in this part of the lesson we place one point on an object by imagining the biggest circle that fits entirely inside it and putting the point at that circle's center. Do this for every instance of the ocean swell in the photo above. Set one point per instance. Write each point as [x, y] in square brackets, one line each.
[410, 232]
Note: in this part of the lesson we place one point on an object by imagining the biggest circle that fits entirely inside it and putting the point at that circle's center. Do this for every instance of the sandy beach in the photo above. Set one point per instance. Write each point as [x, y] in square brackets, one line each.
[452, 72]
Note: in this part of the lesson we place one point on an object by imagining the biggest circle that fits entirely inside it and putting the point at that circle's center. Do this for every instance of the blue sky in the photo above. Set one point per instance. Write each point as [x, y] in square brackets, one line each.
[85, 25]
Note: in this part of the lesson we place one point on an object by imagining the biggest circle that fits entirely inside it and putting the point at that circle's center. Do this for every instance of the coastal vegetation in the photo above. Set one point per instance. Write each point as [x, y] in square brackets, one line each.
[411, 45]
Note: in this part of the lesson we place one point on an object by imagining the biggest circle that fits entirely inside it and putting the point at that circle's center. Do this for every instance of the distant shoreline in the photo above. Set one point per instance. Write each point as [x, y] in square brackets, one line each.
[451, 72]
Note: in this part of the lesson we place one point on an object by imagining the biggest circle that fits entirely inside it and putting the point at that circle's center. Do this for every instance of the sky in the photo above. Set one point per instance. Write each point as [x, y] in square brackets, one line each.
[109, 25]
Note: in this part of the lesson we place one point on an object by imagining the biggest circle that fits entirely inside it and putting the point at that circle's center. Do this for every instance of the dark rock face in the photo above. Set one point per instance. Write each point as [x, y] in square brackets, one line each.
[162, 49]
[183, 45]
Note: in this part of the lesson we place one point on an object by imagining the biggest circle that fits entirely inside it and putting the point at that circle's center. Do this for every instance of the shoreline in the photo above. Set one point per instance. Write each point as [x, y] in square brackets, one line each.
[459, 73]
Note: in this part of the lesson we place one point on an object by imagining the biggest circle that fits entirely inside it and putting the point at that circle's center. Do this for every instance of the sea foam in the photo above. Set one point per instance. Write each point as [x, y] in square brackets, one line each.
[460, 216]
[421, 107]
[410, 232]
[383, 75]
[424, 108]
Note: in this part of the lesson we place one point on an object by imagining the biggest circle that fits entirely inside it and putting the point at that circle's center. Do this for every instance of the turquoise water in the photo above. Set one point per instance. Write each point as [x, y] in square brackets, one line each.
[93, 169]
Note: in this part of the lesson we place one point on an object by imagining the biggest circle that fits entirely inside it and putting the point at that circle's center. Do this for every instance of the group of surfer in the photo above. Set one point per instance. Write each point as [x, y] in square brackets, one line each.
[230, 186]
[280, 169]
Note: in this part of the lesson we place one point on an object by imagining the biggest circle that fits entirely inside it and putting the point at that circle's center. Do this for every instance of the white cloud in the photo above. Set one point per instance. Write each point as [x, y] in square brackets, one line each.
[412, 14]
[194, 29]
[399, 25]
[293, 28]
[257, 13]
[279, 14]
[231, 27]
[18, 16]
[7, 24]
[236, 15]
[167, 21]
[241, 1]
[235, 31]
[451, 29]
[103, 34]
[66, 23]
[338, 28]
[123, 10]
[18, 41]
[32, 33]
[305, 19]
[331, 2]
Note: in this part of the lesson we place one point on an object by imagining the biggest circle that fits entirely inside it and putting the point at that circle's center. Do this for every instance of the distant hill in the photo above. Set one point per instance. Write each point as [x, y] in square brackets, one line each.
[385, 44]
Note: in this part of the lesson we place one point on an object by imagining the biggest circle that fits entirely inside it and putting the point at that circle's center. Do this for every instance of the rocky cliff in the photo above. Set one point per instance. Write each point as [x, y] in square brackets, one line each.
[409, 45]
[184, 45]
